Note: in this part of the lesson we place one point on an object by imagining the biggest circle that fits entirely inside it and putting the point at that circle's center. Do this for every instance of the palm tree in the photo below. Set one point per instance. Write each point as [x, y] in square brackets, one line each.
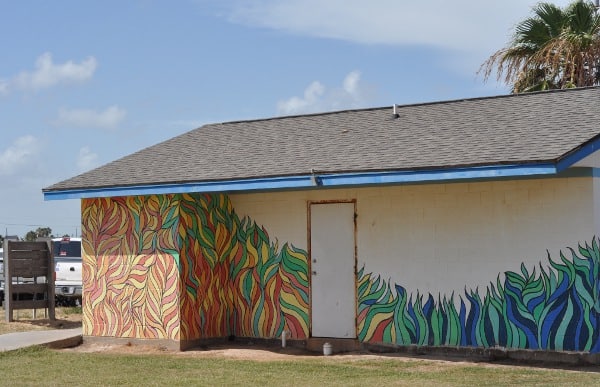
[554, 49]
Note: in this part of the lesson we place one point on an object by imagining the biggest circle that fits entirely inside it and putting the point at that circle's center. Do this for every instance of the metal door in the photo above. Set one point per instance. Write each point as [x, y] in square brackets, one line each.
[333, 265]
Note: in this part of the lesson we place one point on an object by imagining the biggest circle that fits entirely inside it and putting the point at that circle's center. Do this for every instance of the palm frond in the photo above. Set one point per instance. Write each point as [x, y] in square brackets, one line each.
[554, 48]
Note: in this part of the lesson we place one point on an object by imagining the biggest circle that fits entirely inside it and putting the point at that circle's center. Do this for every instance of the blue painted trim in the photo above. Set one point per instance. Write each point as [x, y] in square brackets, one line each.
[578, 155]
[311, 181]
[210, 186]
[440, 175]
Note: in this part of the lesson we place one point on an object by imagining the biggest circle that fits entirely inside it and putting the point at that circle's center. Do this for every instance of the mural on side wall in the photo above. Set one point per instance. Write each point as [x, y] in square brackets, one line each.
[235, 280]
[557, 309]
[217, 274]
[130, 267]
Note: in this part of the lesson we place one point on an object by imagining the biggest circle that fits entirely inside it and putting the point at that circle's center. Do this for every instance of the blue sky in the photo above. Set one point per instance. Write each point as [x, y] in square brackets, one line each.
[83, 83]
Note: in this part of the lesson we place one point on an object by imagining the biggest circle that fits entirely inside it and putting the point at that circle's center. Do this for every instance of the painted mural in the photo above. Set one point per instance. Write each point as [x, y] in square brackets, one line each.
[130, 267]
[555, 309]
[236, 280]
[186, 267]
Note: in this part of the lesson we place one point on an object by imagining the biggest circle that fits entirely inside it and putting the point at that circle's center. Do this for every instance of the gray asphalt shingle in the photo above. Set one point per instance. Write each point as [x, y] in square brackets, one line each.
[514, 129]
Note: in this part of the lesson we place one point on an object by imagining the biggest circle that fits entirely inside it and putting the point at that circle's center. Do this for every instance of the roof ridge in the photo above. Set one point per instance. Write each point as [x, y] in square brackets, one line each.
[499, 96]
[299, 115]
[400, 106]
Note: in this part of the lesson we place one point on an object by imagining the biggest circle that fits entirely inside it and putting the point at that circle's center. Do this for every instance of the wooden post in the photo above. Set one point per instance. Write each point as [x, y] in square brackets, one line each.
[7, 285]
[50, 280]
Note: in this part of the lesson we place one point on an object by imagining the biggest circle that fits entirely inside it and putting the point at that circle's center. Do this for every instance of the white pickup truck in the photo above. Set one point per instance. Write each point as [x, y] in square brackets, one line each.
[68, 275]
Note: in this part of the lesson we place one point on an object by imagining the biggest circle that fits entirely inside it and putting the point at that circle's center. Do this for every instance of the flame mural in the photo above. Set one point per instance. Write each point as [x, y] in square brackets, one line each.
[557, 309]
[184, 267]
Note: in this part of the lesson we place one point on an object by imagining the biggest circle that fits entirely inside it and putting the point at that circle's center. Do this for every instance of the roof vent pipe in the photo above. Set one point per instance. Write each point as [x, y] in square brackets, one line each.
[395, 110]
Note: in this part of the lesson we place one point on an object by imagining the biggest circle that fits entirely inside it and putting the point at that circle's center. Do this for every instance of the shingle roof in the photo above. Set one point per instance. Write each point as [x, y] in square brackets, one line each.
[513, 129]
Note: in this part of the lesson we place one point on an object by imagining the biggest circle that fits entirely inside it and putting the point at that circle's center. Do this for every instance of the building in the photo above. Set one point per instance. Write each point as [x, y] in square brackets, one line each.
[466, 223]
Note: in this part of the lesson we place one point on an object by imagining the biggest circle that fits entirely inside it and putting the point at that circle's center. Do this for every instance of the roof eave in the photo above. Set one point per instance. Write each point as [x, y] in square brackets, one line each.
[575, 155]
[329, 180]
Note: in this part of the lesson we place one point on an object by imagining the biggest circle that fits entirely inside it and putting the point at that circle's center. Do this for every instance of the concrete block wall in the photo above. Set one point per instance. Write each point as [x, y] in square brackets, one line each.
[423, 253]
[464, 264]
[439, 238]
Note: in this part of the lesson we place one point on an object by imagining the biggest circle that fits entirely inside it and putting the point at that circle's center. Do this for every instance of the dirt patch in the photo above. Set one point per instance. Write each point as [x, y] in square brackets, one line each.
[63, 323]
[24, 320]
[232, 351]
[237, 351]
[245, 352]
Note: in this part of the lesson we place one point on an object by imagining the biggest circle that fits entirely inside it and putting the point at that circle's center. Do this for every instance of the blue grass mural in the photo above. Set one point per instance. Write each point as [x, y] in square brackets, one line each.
[557, 309]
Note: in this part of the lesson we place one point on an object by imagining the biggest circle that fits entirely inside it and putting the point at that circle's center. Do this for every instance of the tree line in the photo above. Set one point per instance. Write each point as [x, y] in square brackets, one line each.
[33, 235]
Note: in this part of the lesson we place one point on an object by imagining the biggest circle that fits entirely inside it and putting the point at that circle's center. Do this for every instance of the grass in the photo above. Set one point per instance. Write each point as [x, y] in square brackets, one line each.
[40, 366]
[68, 311]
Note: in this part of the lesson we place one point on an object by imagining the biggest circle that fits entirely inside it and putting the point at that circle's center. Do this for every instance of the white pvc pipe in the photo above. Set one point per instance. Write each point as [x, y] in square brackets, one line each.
[327, 349]
[283, 339]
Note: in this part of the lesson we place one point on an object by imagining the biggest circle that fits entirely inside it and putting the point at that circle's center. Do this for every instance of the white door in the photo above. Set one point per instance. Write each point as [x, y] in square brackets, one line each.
[333, 285]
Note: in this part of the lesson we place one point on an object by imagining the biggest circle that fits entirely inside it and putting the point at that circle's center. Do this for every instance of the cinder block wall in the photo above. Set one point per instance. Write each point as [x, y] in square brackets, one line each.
[445, 250]
[461, 264]
[186, 267]
[131, 282]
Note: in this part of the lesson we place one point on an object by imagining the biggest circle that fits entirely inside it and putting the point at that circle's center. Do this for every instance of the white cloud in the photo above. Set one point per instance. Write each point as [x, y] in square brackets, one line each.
[317, 97]
[351, 83]
[47, 74]
[464, 25]
[20, 154]
[294, 105]
[86, 159]
[88, 118]
[3, 87]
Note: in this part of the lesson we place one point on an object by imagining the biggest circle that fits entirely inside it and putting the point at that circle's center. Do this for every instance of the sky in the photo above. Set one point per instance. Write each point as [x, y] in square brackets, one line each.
[83, 83]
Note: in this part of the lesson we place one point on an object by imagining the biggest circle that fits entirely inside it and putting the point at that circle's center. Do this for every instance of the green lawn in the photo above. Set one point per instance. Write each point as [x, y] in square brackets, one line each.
[40, 366]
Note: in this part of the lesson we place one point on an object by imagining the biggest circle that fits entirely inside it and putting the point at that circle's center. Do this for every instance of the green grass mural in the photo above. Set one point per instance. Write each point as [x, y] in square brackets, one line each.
[555, 309]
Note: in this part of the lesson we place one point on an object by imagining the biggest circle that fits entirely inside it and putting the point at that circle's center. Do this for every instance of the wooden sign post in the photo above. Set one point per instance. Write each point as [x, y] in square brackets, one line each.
[29, 277]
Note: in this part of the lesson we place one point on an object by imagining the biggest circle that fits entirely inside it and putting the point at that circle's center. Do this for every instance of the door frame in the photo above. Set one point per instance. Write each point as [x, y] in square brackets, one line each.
[310, 259]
